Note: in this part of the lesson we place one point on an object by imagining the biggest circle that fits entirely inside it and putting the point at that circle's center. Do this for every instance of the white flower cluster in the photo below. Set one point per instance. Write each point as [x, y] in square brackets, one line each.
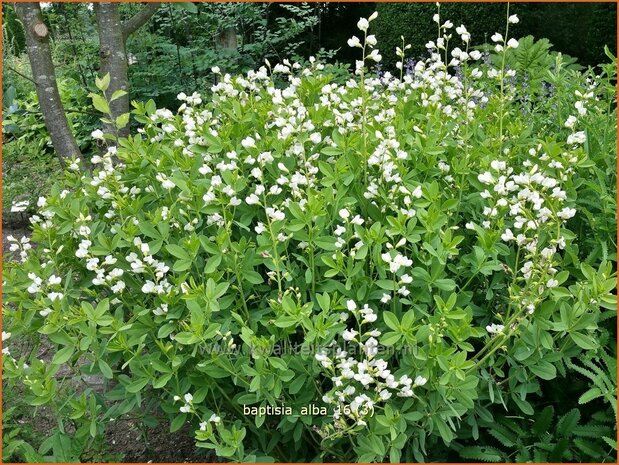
[523, 203]
[5, 337]
[187, 406]
[51, 286]
[148, 265]
[359, 385]
[22, 245]
[21, 206]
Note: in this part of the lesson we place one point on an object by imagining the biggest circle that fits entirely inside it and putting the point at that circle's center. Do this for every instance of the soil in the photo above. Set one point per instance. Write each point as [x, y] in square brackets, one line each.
[123, 437]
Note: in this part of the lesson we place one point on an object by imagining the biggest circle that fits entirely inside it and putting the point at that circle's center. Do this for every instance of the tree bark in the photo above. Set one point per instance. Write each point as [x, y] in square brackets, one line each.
[113, 35]
[140, 18]
[44, 76]
[113, 59]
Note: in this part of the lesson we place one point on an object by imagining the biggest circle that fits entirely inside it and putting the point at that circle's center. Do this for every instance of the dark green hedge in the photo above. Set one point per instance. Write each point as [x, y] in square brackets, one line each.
[577, 29]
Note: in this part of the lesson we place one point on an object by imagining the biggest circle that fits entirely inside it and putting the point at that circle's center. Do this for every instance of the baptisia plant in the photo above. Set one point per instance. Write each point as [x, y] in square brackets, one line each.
[399, 249]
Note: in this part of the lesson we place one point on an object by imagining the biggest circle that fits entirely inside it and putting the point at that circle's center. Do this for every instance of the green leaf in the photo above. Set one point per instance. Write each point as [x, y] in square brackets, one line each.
[568, 422]
[543, 421]
[481, 453]
[63, 355]
[584, 341]
[178, 252]
[391, 320]
[122, 120]
[297, 384]
[100, 104]
[178, 422]
[137, 385]
[186, 338]
[591, 394]
[324, 301]
[103, 83]
[117, 94]
[390, 338]
[106, 371]
[544, 370]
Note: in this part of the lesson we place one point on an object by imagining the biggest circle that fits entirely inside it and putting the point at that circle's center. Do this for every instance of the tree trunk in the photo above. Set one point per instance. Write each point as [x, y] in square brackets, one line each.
[113, 34]
[113, 59]
[227, 39]
[44, 75]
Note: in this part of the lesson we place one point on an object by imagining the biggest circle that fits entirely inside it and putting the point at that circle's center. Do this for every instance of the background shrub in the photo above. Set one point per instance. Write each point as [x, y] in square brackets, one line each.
[576, 29]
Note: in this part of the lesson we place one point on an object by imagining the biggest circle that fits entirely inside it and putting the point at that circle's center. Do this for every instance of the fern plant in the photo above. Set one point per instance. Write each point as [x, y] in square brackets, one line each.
[545, 438]
[548, 436]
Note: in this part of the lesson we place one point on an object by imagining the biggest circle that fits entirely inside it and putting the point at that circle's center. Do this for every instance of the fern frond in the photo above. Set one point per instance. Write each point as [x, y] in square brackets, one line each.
[482, 453]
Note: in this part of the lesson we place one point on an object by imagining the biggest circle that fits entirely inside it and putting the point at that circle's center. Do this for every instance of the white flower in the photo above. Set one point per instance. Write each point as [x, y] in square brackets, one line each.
[5, 336]
[351, 305]
[570, 122]
[552, 283]
[248, 142]
[512, 43]
[315, 137]
[363, 24]
[354, 42]
[339, 230]
[344, 213]
[420, 381]
[357, 220]
[486, 178]
[214, 418]
[252, 199]
[494, 328]
[20, 206]
[371, 40]
[566, 213]
[260, 228]
[216, 70]
[45, 312]
[349, 334]
[165, 182]
[53, 296]
[497, 37]
[97, 134]
[475, 54]
[513, 19]
[53, 280]
[508, 235]
[148, 287]
[577, 138]
[188, 397]
[375, 56]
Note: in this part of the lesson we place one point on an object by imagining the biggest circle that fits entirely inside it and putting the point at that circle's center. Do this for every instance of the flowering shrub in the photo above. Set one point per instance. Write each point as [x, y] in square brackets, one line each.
[305, 270]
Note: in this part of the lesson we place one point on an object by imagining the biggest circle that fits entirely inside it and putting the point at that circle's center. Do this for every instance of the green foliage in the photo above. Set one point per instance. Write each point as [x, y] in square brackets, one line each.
[546, 437]
[592, 25]
[177, 54]
[12, 33]
[27, 174]
[411, 20]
